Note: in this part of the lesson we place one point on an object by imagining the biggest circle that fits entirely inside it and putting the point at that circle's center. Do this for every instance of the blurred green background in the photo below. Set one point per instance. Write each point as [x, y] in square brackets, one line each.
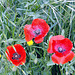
[14, 14]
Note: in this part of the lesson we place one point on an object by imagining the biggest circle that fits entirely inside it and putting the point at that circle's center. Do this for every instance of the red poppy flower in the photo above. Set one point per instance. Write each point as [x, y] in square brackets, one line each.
[38, 30]
[58, 37]
[16, 54]
[61, 47]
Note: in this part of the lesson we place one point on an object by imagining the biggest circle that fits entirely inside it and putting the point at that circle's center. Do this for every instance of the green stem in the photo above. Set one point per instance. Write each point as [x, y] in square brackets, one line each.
[30, 62]
[44, 50]
[61, 70]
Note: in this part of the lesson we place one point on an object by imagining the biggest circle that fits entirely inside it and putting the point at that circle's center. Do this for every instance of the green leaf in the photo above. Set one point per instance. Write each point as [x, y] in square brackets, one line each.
[50, 63]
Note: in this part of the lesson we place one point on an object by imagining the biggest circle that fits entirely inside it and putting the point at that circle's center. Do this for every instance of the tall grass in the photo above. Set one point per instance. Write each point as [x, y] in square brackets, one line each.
[14, 14]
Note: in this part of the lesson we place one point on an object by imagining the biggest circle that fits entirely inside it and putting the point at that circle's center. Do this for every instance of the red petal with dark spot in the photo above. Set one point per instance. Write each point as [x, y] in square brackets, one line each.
[65, 44]
[10, 51]
[58, 37]
[20, 50]
[42, 25]
[37, 24]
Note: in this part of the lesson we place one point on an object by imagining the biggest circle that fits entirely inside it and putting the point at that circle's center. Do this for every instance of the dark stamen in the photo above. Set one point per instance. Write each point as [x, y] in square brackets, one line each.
[64, 50]
[16, 56]
[60, 49]
[37, 32]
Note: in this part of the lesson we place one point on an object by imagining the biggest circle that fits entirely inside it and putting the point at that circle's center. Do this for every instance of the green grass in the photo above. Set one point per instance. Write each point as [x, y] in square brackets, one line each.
[14, 14]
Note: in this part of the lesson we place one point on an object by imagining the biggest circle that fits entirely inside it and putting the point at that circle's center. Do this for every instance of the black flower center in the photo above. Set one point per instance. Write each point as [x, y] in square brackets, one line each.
[16, 56]
[37, 32]
[60, 49]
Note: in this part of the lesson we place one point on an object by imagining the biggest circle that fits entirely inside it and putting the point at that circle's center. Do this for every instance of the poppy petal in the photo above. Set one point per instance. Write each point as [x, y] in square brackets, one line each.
[68, 57]
[16, 49]
[28, 31]
[65, 44]
[58, 37]
[49, 50]
[56, 59]
[16, 63]
[42, 25]
[23, 61]
[63, 59]
[10, 50]
[20, 50]
[7, 55]
[20, 62]
[38, 39]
